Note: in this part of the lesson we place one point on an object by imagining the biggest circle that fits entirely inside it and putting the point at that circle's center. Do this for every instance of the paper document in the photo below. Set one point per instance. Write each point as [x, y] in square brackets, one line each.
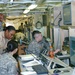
[31, 63]
[29, 73]
[28, 68]
[27, 57]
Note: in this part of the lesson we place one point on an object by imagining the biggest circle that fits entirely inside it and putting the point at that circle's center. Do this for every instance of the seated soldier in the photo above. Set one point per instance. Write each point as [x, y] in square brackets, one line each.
[8, 64]
[39, 45]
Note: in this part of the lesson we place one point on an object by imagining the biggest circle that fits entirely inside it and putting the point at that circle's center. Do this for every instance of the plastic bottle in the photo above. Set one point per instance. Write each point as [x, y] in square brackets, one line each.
[20, 41]
[51, 52]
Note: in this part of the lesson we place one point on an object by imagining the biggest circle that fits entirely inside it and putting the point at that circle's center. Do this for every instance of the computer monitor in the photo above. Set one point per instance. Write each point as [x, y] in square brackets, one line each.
[72, 50]
[72, 46]
[67, 14]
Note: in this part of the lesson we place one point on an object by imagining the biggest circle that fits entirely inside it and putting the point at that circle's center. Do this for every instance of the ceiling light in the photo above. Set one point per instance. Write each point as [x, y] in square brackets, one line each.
[32, 6]
[26, 11]
[11, 0]
[25, 16]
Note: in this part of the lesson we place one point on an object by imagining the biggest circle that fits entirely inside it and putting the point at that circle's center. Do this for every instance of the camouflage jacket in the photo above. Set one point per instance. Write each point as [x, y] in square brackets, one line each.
[45, 46]
[33, 48]
[8, 64]
[38, 47]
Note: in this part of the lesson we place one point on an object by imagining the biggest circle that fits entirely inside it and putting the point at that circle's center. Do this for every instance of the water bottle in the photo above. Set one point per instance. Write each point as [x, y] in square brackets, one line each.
[20, 41]
[51, 52]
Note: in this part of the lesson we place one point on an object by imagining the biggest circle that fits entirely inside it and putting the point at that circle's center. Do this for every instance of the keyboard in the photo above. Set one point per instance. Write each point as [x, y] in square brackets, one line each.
[40, 69]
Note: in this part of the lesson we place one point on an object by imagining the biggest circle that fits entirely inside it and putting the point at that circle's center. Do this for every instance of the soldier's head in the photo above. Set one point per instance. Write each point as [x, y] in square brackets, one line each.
[12, 46]
[9, 32]
[21, 24]
[37, 35]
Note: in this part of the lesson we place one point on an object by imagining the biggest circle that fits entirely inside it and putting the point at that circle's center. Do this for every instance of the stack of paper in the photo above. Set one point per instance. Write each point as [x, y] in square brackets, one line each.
[31, 63]
[29, 73]
[26, 57]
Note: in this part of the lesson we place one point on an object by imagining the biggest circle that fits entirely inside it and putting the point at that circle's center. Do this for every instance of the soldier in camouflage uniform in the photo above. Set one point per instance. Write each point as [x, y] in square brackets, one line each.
[8, 64]
[38, 45]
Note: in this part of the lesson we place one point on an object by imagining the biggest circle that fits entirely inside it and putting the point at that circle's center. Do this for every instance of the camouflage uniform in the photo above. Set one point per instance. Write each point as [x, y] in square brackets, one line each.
[45, 46]
[7, 65]
[33, 48]
[38, 47]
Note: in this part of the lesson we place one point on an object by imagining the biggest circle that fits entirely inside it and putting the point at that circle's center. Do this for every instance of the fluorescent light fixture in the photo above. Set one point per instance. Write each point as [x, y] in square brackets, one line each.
[11, 0]
[9, 24]
[32, 6]
[26, 11]
[25, 16]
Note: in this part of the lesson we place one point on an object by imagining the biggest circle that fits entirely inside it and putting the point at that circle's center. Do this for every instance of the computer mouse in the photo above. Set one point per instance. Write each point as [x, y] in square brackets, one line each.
[56, 71]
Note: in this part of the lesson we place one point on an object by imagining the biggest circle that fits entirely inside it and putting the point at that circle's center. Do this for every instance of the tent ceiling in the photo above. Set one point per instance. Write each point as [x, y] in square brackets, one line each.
[16, 7]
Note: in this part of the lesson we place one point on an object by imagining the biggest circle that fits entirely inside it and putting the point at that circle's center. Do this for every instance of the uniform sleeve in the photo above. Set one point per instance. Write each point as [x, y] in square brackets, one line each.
[47, 44]
[33, 48]
[3, 71]
[29, 49]
[45, 47]
[12, 69]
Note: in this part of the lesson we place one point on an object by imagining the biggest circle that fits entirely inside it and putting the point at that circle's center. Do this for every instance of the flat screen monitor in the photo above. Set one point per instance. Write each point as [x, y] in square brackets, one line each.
[67, 14]
[72, 50]
[72, 46]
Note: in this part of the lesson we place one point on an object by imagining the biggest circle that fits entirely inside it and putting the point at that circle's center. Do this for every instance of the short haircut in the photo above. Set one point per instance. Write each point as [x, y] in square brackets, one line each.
[21, 23]
[9, 28]
[11, 45]
[34, 33]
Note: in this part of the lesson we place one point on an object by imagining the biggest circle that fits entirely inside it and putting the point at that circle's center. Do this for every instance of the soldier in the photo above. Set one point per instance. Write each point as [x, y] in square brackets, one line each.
[8, 64]
[38, 45]
[21, 28]
[5, 36]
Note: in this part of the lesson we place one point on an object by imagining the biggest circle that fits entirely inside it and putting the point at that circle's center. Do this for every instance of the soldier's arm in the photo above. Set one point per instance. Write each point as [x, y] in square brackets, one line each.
[29, 49]
[46, 43]
[12, 69]
[3, 71]
[33, 49]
